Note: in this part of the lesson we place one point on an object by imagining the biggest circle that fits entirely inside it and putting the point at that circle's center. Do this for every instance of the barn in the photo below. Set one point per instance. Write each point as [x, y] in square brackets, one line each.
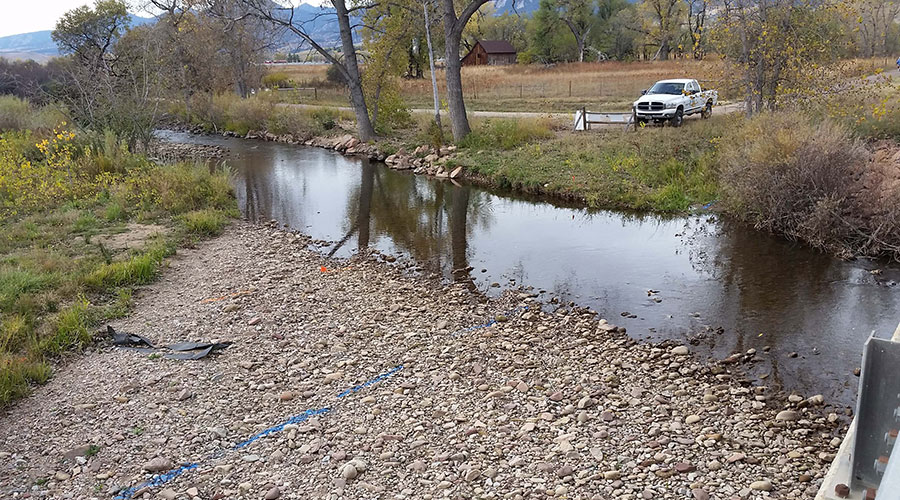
[491, 52]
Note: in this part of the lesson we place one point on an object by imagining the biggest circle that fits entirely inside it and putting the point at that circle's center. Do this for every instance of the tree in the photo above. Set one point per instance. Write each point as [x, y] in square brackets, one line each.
[611, 38]
[389, 30]
[242, 44]
[550, 41]
[661, 23]
[27, 79]
[696, 21]
[123, 95]
[89, 34]
[579, 17]
[487, 25]
[347, 66]
[781, 49]
[621, 41]
[110, 77]
[453, 29]
[875, 24]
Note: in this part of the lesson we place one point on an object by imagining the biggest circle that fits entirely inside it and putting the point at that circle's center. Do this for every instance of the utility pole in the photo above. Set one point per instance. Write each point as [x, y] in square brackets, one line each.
[437, 102]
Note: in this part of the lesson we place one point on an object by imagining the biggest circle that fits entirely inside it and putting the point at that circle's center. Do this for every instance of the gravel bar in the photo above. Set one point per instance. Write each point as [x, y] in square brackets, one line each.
[539, 402]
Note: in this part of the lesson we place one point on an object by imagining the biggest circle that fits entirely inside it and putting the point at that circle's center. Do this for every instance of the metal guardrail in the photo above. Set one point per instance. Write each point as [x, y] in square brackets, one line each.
[867, 465]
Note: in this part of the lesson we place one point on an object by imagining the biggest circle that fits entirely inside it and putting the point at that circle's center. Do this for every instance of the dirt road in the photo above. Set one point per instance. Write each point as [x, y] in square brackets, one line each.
[724, 108]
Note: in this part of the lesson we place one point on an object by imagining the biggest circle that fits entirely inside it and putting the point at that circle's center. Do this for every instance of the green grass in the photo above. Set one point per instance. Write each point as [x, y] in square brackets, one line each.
[58, 283]
[139, 269]
[505, 134]
[71, 329]
[206, 222]
[18, 374]
[16, 282]
[663, 169]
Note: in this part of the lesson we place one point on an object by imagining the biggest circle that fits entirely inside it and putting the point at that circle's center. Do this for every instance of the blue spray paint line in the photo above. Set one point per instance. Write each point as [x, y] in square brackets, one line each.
[296, 419]
[156, 481]
[491, 322]
[372, 381]
[162, 479]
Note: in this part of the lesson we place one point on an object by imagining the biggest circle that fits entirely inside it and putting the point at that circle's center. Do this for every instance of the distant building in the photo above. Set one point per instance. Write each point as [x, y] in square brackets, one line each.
[490, 52]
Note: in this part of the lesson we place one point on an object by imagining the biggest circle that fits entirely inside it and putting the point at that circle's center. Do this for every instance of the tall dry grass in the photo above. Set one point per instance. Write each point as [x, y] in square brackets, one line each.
[610, 85]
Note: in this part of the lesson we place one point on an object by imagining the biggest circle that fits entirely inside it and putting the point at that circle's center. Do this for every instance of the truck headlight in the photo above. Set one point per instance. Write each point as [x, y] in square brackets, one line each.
[671, 105]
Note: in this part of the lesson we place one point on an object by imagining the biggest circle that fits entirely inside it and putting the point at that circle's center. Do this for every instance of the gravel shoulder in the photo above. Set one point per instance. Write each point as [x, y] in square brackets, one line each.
[536, 404]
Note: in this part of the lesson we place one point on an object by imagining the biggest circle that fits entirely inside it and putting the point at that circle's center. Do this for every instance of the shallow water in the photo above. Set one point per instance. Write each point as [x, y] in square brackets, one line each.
[720, 285]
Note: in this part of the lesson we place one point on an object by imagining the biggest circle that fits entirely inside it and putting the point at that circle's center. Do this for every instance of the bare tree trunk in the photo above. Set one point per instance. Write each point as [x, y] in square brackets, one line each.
[357, 98]
[349, 69]
[453, 27]
[434, 89]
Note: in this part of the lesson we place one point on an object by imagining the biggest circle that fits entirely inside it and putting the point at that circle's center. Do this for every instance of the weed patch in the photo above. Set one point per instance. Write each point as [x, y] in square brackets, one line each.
[207, 222]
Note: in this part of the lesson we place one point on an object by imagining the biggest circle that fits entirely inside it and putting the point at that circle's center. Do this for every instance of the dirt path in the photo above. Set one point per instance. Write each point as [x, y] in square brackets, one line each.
[534, 404]
[725, 108]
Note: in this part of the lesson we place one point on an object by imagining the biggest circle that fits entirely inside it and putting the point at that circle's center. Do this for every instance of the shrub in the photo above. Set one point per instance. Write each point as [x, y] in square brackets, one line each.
[277, 80]
[15, 113]
[325, 118]
[244, 115]
[433, 134]
[176, 188]
[288, 120]
[333, 75]
[787, 174]
[884, 124]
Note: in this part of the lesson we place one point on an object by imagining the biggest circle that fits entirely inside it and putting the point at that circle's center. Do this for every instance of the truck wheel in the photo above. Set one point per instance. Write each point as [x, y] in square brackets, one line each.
[678, 119]
[707, 110]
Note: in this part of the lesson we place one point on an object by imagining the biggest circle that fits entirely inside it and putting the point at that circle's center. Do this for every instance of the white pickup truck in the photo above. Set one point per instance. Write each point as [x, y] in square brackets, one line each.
[672, 100]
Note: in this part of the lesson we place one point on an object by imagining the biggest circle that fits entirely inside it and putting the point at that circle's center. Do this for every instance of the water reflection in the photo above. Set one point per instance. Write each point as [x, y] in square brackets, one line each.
[707, 276]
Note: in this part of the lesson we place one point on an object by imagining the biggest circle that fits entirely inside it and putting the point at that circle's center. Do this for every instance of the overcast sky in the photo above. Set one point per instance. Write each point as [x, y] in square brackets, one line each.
[22, 16]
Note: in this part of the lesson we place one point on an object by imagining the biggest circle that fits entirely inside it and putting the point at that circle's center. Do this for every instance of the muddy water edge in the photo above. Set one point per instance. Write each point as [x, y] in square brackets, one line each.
[718, 285]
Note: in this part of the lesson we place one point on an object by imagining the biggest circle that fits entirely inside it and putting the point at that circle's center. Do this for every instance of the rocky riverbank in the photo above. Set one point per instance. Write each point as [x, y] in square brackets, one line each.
[529, 403]
[423, 160]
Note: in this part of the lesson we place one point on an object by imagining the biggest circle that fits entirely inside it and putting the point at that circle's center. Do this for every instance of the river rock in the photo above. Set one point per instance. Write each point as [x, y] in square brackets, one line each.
[167, 494]
[348, 471]
[680, 350]
[761, 485]
[787, 416]
[158, 464]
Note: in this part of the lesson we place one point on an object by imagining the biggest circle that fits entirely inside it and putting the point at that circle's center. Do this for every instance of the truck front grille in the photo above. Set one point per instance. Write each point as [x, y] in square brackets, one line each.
[651, 106]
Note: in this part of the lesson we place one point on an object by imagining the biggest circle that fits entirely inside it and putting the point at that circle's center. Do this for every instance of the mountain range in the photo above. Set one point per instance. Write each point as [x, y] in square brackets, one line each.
[318, 21]
[38, 45]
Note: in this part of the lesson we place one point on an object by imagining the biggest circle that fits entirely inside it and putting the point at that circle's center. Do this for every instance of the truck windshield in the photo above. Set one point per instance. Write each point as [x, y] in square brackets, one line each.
[666, 88]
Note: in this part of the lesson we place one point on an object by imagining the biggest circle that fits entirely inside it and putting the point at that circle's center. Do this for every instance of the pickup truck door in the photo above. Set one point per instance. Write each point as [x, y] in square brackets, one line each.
[694, 91]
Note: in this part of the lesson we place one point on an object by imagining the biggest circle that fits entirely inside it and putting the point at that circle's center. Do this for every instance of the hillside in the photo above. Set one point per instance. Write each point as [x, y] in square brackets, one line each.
[38, 45]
